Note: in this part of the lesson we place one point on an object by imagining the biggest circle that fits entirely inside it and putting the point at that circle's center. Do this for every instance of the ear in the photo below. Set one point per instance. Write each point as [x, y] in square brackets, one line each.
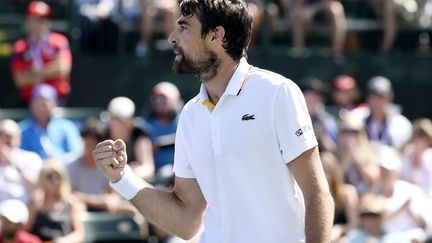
[217, 35]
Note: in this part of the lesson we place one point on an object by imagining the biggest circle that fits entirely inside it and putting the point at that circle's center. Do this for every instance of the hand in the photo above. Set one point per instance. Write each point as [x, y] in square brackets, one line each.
[5, 153]
[110, 156]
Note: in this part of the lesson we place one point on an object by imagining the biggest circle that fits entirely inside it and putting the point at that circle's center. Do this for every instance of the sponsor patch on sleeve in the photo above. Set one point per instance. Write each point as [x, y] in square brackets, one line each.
[305, 129]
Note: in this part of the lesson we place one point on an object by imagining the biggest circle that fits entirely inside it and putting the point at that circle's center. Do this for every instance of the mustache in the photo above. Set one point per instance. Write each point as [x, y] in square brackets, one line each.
[178, 50]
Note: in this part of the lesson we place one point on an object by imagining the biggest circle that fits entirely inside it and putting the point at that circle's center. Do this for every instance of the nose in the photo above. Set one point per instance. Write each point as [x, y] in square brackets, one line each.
[171, 37]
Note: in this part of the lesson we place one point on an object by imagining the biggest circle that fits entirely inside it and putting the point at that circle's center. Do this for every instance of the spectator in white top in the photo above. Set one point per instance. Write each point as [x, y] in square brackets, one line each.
[407, 206]
[417, 156]
[19, 168]
[385, 124]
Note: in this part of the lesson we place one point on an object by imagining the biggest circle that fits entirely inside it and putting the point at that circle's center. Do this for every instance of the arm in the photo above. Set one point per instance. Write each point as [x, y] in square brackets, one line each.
[309, 174]
[168, 209]
[58, 67]
[144, 165]
[77, 234]
[171, 209]
[351, 207]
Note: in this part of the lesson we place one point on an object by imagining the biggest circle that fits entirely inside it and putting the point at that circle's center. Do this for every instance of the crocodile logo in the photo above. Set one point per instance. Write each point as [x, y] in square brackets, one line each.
[247, 117]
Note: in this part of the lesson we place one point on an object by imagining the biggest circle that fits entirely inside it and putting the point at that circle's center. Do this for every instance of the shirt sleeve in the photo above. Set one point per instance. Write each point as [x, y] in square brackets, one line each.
[182, 167]
[18, 65]
[294, 129]
[64, 52]
[73, 141]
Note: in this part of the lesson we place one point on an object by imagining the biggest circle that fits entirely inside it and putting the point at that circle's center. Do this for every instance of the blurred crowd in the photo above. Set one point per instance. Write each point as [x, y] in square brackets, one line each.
[377, 162]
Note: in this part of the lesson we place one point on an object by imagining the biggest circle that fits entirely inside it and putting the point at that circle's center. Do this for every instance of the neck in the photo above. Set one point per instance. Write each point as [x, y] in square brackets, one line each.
[88, 160]
[217, 84]
[378, 116]
[36, 37]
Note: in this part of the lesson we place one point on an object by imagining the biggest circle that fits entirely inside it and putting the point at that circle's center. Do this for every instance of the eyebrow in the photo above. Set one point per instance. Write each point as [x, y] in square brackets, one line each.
[182, 22]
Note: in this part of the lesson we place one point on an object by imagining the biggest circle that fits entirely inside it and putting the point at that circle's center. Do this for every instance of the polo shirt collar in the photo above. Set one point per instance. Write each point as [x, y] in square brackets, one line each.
[238, 78]
[234, 85]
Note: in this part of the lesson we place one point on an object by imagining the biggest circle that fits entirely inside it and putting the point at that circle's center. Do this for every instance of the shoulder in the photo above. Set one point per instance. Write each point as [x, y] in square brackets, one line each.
[26, 125]
[20, 46]
[63, 123]
[58, 39]
[74, 166]
[266, 78]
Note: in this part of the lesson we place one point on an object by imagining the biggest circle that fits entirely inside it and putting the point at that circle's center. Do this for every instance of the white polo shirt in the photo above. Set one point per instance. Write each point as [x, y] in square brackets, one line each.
[238, 151]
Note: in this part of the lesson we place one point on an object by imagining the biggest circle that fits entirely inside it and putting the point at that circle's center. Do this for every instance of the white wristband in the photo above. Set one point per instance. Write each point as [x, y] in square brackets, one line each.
[129, 184]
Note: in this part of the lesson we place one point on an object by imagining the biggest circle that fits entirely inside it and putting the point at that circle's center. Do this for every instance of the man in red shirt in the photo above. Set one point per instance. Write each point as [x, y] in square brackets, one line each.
[41, 57]
[14, 214]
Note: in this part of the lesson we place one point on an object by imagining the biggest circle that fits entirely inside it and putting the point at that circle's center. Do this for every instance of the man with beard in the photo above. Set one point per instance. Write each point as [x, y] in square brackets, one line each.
[246, 158]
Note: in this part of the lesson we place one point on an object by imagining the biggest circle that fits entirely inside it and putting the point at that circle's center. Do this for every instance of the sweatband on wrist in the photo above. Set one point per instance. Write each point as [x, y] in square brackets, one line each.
[129, 184]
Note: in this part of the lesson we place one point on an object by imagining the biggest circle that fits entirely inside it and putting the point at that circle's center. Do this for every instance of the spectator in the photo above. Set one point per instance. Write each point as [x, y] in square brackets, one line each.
[304, 12]
[14, 215]
[324, 124]
[98, 25]
[19, 168]
[162, 119]
[47, 135]
[153, 11]
[356, 154]
[345, 95]
[54, 212]
[344, 195]
[87, 181]
[417, 157]
[371, 223]
[123, 125]
[385, 124]
[393, 11]
[406, 208]
[41, 57]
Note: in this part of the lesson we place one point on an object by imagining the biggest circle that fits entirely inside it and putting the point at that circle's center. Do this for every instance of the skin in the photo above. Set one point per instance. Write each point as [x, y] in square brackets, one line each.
[185, 202]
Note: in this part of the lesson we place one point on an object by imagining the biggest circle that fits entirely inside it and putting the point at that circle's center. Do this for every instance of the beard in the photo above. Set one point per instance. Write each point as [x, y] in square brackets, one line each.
[205, 68]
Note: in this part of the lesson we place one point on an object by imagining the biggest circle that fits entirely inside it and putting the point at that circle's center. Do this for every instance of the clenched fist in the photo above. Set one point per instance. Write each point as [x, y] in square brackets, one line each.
[110, 156]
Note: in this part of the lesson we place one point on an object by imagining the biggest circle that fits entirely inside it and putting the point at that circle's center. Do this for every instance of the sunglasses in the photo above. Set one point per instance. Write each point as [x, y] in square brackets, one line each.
[53, 176]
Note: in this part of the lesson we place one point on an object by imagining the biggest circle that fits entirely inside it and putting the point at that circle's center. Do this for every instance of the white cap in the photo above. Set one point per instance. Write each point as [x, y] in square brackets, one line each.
[389, 158]
[121, 107]
[380, 85]
[14, 210]
[350, 121]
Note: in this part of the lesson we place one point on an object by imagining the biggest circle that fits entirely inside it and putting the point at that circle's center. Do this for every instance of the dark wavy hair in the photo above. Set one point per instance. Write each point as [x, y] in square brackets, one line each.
[232, 15]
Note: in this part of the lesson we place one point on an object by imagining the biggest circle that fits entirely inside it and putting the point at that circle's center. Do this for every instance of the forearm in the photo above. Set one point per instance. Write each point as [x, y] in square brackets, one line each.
[168, 211]
[25, 79]
[54, 69]
[319, 217]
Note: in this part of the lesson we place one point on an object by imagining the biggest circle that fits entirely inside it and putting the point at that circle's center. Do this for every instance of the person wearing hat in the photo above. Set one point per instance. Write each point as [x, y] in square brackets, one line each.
[48, 135]
[42, 56]
[417, 156]
[122, 124]
[407, 206]
[372, 214]
[385, 124]
[324, 124]
[344, 94]
[13, 216]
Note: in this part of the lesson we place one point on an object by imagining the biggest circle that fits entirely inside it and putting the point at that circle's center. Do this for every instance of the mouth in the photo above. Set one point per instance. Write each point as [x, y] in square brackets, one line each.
[178, 56]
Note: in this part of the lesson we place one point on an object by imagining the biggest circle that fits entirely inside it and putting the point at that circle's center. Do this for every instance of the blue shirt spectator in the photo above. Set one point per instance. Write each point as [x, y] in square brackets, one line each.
[163, 136]
[49, 136]
[166, 102]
